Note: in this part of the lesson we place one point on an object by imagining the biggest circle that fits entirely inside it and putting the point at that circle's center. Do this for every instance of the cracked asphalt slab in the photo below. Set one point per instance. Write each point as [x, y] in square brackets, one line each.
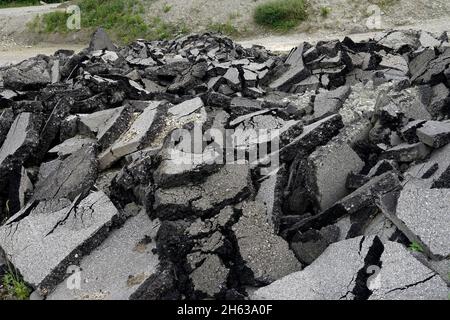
[110, 164]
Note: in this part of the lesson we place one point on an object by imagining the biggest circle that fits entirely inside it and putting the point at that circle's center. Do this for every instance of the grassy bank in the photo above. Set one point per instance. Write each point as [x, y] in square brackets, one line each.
[23, 3]
[122, 18]
[280, 15]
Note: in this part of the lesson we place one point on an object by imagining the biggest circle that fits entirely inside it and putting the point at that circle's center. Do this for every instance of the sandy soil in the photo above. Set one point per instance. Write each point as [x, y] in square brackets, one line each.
[348, 16]
[16, 54]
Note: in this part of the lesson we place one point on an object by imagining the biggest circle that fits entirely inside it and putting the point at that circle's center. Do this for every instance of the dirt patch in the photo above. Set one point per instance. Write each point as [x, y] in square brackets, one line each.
[344, 15]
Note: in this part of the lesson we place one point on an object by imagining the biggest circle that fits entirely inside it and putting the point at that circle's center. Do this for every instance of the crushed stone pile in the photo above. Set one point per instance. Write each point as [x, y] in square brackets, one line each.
[195, 168]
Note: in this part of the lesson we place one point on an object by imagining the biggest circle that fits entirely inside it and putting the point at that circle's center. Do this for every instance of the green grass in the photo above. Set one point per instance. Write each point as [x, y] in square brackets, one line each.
[227, 28]
[23, 3]
[281, 15]
[416, 247]
[167, 8]
[325, 12]
[123, 20]
[14, 285]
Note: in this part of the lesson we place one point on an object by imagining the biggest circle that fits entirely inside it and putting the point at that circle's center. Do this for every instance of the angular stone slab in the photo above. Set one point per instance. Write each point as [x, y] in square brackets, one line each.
[22, 138]
[6, 120]
[313, 135]
[186, 108]
[434, 173]
[329, 102]
[71, 145]
[52, 125]
[265, 129]
[74, 175]
[30, 74]
[133, 139]
[45, 238]
[294, 74]
[403, 277]
[211, 276]
[327, 171]
[264, 253]
[107, 125]
[229, 185]
[101, 41]
[180, 167]
[332, 276]
[364, 197]
[117, 268]
[435, 134]
[425, 213]
[407, 152]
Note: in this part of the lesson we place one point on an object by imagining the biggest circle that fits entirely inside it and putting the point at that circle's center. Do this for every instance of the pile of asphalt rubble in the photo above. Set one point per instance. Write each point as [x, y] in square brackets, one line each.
[353, 204]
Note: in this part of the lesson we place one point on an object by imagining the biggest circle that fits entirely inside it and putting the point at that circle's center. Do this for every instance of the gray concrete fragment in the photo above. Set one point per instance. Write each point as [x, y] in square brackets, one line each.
[270, 193]
[329, 102]
[229, 185]
[364, 197]
[264, 253]
[308, 246]
[119, 266]
[73, 176]
[43, 239]
[425, 213]
[30, 74]
[106, 125]
[265, 129]
[440, 96]
[435, 134]
[211, 276]
[313, 135]
[407, 152]
[327, 171]
[22, 138]
[233, 79]
[397, 39]
[139, 133]
[101, 41]
[71, 145]
[332, 276]
[402, 277]
[434, 173]
[294, 74]
[52, 124]
[178, 167]
[6, 120]
[186, 108]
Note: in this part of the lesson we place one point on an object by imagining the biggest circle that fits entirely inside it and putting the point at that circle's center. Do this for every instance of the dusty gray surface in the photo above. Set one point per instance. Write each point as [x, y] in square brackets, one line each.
[426, 213]
[42, 244]
[331, 276]
[403, 277]
[265, 254]
[115, 269]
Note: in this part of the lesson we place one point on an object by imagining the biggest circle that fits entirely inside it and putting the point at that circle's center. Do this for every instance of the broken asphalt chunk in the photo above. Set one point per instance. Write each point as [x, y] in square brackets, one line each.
[19, 144]
[74, 175]
[402, 277]
[264, 253]
[230, 185]
[44, 239]
[435, 134]
[119, 266]
[141, 132]
[423, 215]
[337, 274]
